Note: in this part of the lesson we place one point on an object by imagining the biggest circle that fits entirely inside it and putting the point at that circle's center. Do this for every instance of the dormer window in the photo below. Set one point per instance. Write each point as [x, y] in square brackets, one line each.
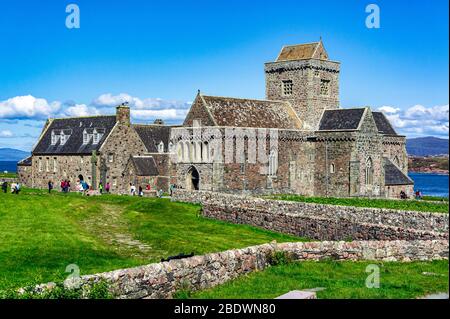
[96, 137]
[55, 138]
[63, 138]
[60, 135]
[170, 147]
[95, 134]
[86, 137]
[161, 147]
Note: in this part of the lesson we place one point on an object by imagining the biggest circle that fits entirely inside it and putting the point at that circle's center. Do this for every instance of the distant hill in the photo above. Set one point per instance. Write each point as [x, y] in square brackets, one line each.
[425, 146]
[11, 154]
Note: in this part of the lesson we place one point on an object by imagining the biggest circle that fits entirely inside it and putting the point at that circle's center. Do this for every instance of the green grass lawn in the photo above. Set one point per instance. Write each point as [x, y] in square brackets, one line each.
[40, 234]
[414, 205]
[341, 280]
[7, 175]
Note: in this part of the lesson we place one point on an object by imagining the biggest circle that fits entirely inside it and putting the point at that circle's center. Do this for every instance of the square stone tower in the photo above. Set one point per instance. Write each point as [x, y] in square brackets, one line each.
[304, 76]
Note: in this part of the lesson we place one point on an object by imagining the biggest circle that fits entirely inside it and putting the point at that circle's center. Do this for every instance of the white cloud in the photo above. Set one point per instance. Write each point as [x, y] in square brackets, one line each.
[388, 109]
[419, 120]
[32, 108]
[109, 100]
[21, 107]
[80, 110]
[6, 133]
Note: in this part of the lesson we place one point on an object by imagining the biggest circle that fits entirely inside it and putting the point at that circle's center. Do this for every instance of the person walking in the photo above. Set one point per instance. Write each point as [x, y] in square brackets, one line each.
[5, 186]
[132, 189]
[141, 193]
[107, 187]
[100, 187]
[50, 186]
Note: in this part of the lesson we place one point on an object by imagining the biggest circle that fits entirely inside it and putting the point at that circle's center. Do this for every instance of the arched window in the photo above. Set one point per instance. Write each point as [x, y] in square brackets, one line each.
[369, 172]
[186, 155]
[180, 152]
[170, 147]
[332, 168]
[205, 152]
[273, 162]
[198, 151]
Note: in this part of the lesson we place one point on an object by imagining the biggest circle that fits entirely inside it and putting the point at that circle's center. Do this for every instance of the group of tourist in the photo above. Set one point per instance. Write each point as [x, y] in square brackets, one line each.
[140, 191]
[15, 187]
[107, 187]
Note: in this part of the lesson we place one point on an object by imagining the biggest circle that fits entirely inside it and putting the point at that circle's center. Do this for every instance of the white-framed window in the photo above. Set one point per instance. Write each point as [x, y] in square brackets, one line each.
[47, 165]
[86, 137]
[40, 164]
[63, 138]
[161, 147]
[110, 157]
[55, 165]
[324, 87]
[332, 168]
[170, 147]
[54, 138]
[81, 160]
[286, 87]
[95, 137]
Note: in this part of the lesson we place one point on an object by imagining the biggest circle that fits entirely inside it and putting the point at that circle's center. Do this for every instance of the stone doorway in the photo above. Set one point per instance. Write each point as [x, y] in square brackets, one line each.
[192, 179]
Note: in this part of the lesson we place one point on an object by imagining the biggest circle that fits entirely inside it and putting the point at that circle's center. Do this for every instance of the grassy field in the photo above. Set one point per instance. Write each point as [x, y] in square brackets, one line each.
[341, 280]
[41, 234]
[414, 205]
[7, 175]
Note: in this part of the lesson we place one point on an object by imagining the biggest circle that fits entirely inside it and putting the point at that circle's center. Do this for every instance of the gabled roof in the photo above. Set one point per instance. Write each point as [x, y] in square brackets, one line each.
[145, 166]
[314, 50]
[237, 112]
[76, 126]
[341, 119]
[25, 162]
[383, 125]
[152, 135]
[393, 175]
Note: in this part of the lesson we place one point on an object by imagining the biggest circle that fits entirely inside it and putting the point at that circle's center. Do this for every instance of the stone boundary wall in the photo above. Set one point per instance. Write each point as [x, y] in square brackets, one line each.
[319, 221]
[162, 280]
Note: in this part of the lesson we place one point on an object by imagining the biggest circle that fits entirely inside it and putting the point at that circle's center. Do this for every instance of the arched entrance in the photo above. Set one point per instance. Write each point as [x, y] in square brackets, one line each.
[192, 179]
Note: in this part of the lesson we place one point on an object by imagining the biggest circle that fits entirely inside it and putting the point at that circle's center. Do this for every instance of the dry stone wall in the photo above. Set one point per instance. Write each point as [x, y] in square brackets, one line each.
[318, 221]
[162, 280]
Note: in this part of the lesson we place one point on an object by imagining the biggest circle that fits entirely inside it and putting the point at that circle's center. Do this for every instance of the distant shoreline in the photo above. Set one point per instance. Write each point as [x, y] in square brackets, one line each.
[428, 173]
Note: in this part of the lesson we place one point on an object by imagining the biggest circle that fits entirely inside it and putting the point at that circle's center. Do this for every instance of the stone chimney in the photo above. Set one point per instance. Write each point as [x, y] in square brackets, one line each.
[123, 114]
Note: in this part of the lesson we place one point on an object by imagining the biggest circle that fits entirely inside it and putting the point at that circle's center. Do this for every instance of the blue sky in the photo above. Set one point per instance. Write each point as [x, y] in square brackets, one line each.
[157, 54]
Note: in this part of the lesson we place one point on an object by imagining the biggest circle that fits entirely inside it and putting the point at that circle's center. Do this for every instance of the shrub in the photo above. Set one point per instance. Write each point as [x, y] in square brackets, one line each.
[184, 291]
[277, 257]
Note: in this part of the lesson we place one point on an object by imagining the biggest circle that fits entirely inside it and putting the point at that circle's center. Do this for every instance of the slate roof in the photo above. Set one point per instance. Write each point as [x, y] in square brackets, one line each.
[76, 126]
[145, 166]
[152, 135]
[393, 175]
[340, 119]
[298, 52]
[383, 125]
[236, 112]
[25, 162]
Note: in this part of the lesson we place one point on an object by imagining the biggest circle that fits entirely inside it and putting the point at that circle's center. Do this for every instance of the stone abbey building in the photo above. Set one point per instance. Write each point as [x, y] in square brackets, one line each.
[298, 140]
